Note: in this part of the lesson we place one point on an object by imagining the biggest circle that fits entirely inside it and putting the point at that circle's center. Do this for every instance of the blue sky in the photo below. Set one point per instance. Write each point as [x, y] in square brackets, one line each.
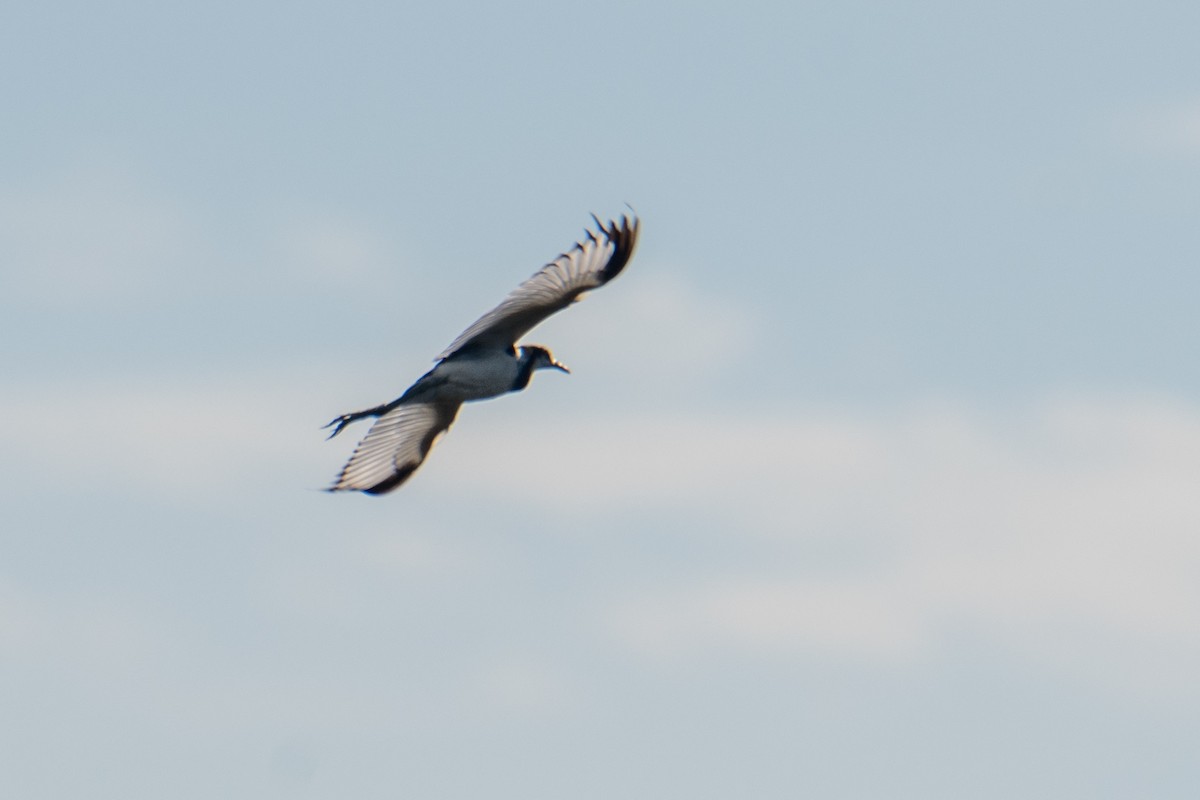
[875, 476]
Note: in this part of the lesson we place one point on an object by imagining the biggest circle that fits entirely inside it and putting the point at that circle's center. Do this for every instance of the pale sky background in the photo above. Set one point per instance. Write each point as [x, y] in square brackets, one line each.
[878, 475]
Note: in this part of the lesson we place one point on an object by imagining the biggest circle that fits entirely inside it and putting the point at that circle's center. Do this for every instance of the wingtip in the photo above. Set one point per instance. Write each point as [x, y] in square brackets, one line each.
[622, 232]
[614, 229]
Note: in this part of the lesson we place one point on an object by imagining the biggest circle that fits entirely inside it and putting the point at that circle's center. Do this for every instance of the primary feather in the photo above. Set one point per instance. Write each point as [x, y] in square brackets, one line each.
[590, 264]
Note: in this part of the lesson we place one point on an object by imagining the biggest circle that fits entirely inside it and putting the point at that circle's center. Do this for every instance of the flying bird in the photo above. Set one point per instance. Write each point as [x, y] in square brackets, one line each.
[485, 361]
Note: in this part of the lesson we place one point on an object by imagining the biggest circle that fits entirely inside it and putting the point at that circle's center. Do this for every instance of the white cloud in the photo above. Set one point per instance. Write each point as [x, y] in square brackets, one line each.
[1171, 130]
[1065, 532]
[102, 238]
[522, 683]
[182, 437]
[768, 617]
[328, 250]
[104, 632]
[93, 237]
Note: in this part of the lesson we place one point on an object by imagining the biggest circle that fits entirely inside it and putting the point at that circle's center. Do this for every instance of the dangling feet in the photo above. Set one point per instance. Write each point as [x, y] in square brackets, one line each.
[346, 419]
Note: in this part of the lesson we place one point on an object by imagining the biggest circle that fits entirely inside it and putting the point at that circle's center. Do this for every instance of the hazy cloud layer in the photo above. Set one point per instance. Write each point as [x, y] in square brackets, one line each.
[1063, 532]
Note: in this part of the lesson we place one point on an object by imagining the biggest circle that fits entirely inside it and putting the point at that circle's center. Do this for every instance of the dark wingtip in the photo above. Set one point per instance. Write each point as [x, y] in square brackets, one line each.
[624, 235]
[385, 486]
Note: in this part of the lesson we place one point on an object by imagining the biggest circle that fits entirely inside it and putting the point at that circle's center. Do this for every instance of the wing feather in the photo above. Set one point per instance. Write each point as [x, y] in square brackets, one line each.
[395, 446]
[591, 263]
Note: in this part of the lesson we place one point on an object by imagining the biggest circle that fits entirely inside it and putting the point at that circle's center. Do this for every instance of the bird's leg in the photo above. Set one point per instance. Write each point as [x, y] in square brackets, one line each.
[346, 419]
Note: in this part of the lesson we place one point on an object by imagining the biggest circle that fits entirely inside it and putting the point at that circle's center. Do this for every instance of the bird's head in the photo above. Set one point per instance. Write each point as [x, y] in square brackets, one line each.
[541, 358]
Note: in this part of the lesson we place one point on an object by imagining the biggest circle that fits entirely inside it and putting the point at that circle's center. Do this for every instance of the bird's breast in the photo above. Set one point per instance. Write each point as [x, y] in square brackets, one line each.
[479, 377]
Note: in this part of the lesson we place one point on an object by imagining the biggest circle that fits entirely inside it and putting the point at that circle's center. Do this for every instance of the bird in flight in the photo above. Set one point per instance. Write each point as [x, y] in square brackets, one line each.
[485, 361]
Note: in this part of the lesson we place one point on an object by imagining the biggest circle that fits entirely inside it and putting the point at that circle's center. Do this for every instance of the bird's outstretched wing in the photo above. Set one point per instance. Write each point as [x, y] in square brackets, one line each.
[591, 263]
[395, 446]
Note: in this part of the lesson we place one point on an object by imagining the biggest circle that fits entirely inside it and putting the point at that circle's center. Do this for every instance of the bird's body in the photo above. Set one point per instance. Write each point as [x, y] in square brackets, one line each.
[482, 375]
[482, 363]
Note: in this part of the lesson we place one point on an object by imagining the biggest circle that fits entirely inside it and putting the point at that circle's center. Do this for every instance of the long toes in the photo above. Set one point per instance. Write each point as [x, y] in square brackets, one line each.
[340, 422]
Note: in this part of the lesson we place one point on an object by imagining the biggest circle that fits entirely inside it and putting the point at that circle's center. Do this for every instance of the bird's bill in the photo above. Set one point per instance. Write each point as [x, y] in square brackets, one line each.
[559, 366]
